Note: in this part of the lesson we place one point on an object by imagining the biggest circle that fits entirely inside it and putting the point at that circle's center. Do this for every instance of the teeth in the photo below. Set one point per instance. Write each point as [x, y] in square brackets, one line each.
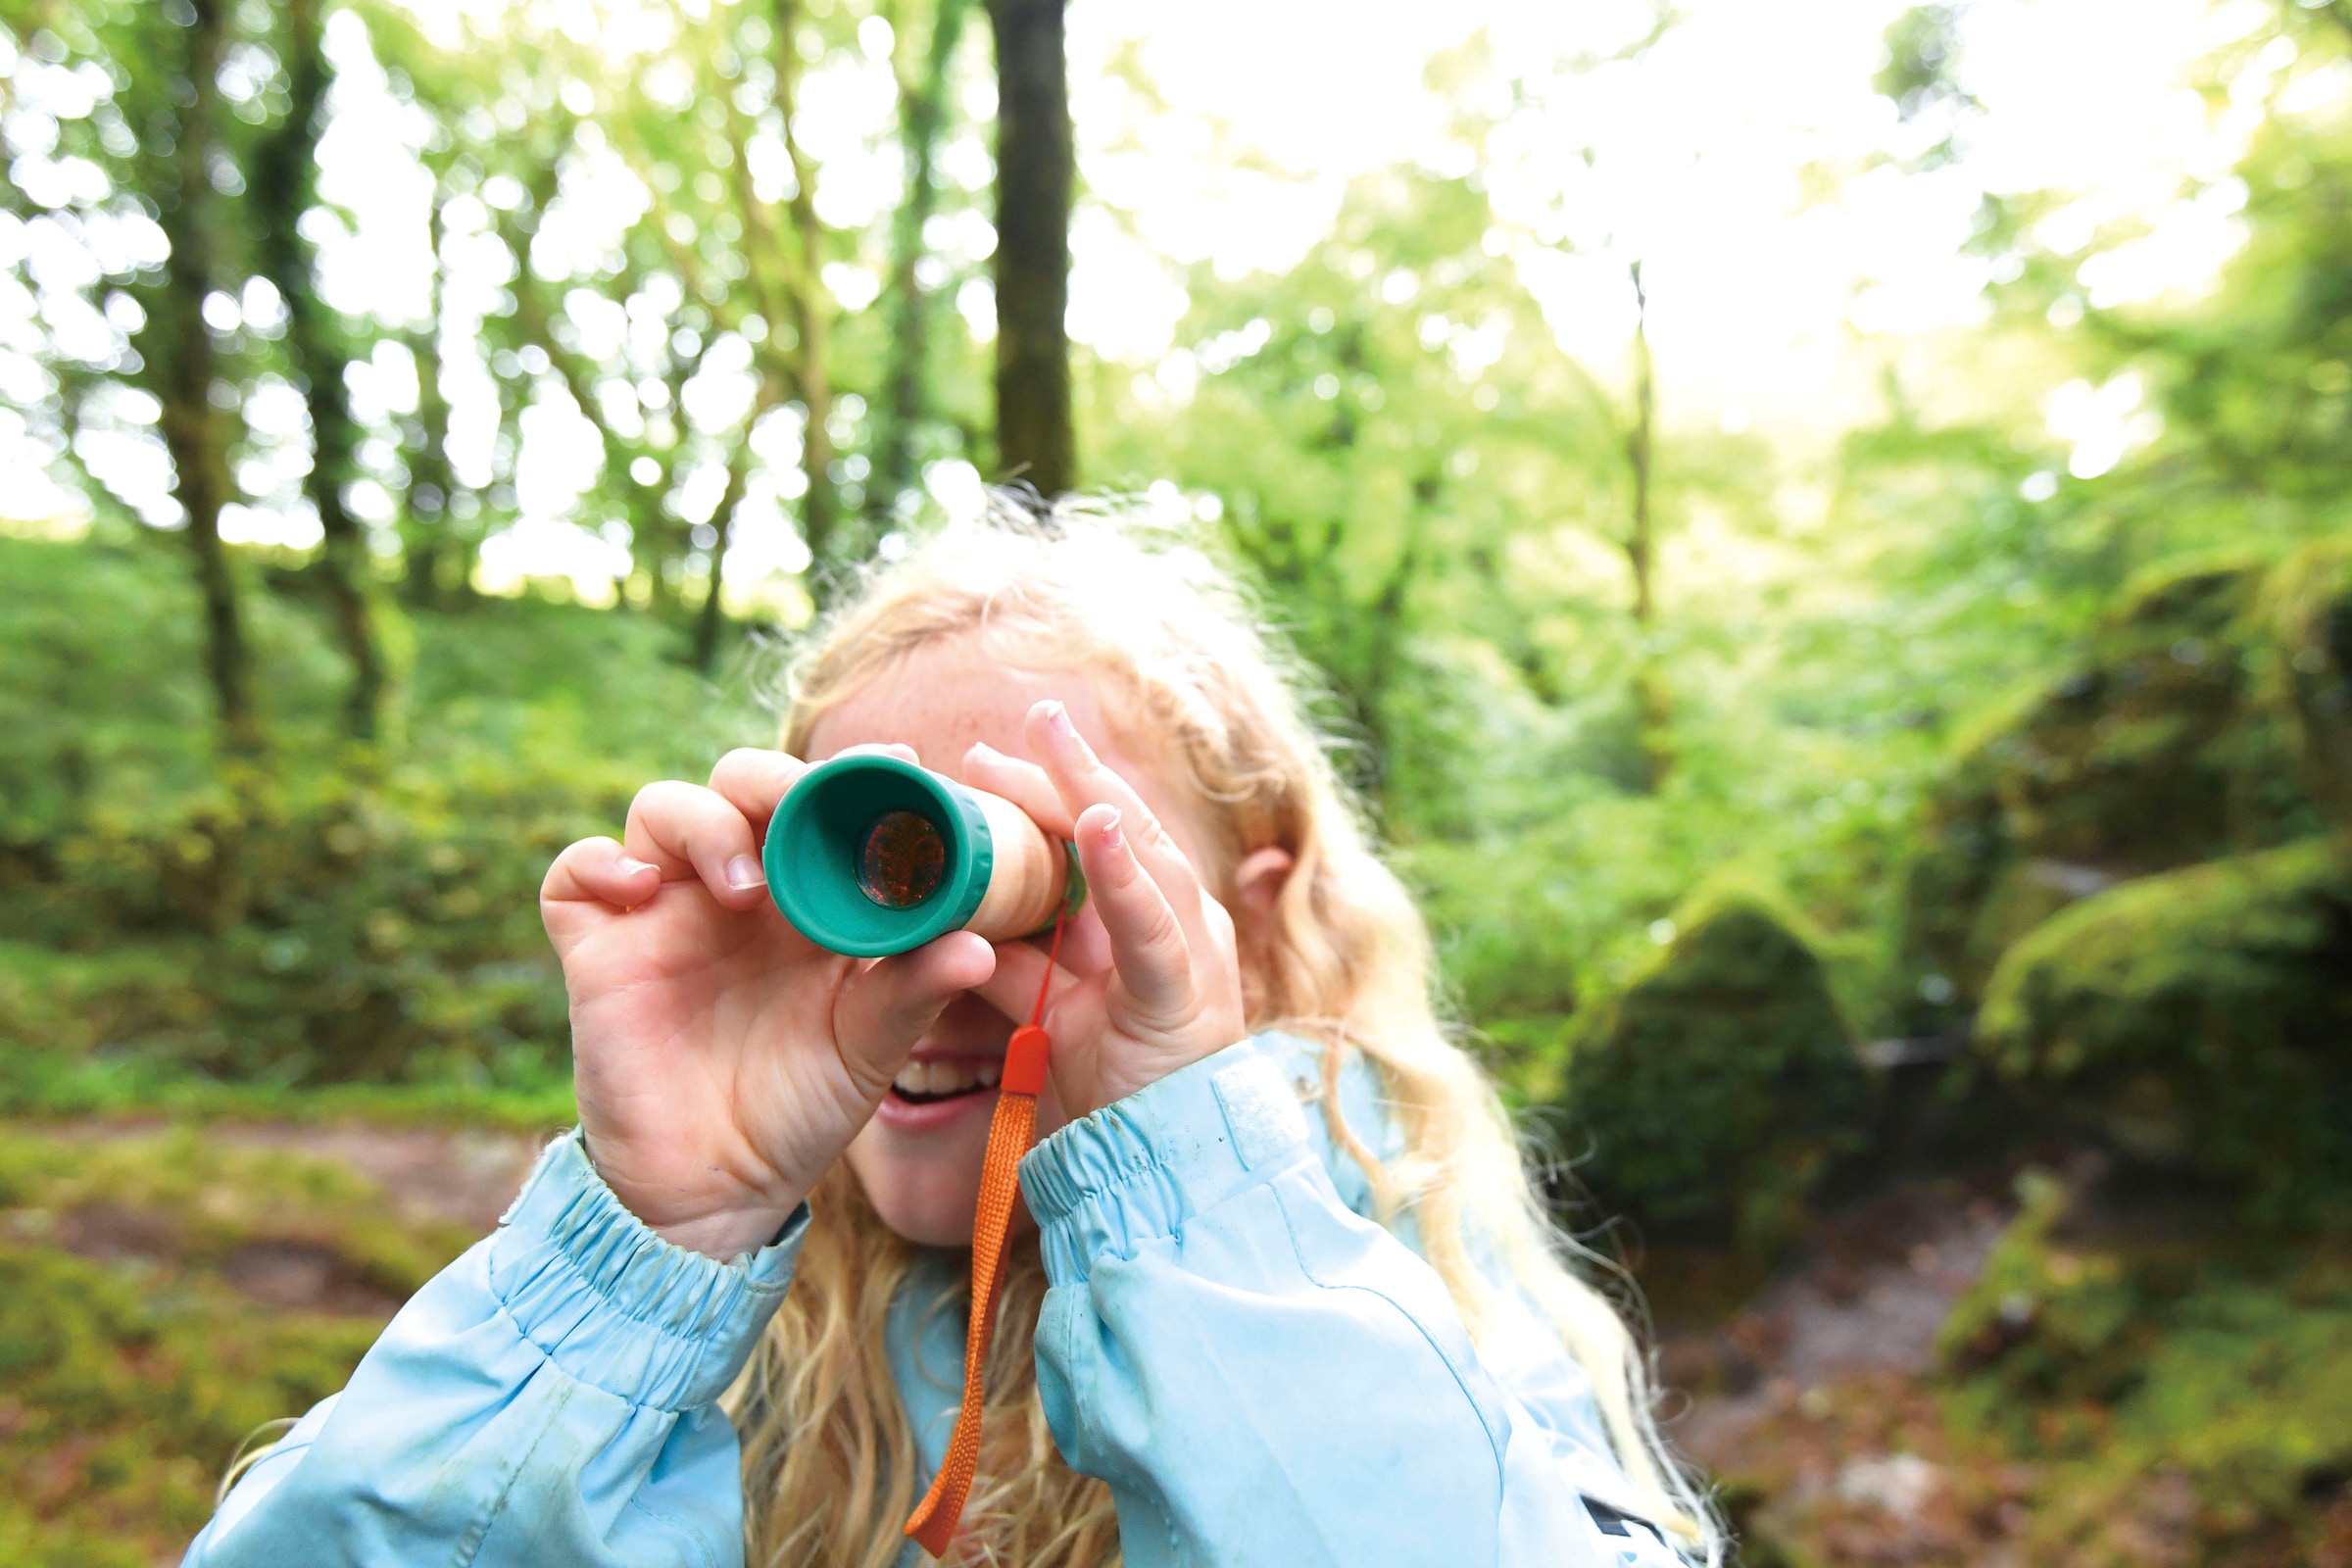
[946, 1077]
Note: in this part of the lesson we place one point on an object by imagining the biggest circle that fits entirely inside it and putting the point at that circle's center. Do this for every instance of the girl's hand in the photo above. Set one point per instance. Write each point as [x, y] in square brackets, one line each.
[722, 1061]
[1173, 994]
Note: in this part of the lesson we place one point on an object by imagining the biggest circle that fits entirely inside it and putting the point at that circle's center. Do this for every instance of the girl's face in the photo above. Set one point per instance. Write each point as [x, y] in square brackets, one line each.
[919, 1157]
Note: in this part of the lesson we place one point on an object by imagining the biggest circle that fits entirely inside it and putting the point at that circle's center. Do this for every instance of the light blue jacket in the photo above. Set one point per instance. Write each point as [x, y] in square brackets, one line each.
[1261, 1374]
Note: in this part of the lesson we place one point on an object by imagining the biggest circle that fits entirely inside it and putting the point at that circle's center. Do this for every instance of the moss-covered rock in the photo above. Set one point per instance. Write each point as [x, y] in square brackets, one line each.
[1718, 1087]
[2307, 608]
[2155, 752]
[2202, 1018]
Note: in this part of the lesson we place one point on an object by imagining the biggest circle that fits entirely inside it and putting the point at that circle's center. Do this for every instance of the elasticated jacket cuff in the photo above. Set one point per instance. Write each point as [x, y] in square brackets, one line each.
[617, 1307]
[1137, 1169]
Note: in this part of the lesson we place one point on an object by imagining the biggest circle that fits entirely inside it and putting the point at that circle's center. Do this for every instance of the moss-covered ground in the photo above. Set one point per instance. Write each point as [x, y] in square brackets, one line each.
[164, 1294]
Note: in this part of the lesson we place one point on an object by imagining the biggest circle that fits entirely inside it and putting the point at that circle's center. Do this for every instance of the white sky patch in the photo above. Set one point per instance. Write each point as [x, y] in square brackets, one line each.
[1124, 304]
[380, 263]
[2101, 423]
[548, 546]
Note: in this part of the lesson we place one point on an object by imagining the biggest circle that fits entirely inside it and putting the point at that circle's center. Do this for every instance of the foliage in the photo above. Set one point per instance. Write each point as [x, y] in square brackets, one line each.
[1718, 1088]
[2307, 605]
[354, 917]
[2201, 1017]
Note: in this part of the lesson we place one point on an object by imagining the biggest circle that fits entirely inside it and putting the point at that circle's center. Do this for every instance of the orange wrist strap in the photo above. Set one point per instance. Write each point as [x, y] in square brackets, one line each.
[1009, 1131]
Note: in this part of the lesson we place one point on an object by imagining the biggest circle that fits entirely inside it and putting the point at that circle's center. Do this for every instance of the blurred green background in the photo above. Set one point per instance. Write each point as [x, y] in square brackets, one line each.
[1828, 551]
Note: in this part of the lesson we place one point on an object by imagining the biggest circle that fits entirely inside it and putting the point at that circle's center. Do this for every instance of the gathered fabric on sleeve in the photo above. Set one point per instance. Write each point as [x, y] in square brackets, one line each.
[549, 1398]
[1262, 1374]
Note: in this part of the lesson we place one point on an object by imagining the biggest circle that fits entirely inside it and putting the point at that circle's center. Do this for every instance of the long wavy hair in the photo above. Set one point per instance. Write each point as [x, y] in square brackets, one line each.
[828, 1459]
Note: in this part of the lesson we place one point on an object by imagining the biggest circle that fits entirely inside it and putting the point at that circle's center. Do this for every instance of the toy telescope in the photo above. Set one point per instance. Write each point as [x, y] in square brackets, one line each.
[868, 856]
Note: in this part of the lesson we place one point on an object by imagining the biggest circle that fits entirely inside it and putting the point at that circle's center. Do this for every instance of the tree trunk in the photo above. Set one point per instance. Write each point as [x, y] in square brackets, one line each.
[440, 561]
[177, 353]
[711, 622]
[922, 114]
[820, 505]
[1653, 701]
[1034, 175]
[284, 176]
[440, 568]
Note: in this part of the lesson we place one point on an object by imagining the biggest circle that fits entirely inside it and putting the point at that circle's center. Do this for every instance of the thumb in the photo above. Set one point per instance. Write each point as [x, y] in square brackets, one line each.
[884, 1010]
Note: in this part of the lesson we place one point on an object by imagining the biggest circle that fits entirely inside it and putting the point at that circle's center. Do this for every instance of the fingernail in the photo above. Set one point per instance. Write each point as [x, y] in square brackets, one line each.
[744, 872]
[1057, 719]
[630, 865]
[982, 749]
[1113, 838]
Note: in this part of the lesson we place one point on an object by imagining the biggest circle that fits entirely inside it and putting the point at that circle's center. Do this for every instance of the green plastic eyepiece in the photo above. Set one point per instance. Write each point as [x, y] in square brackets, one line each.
[869, 856]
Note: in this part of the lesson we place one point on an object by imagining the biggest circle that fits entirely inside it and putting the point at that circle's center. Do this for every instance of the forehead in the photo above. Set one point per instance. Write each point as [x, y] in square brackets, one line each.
[944, 695]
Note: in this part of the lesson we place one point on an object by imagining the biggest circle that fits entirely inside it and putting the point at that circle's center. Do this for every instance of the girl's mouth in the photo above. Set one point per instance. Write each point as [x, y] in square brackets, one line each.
[928, 1082]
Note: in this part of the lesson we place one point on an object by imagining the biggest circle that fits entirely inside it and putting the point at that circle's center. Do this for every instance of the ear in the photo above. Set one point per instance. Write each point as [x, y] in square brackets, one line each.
[1258, 882]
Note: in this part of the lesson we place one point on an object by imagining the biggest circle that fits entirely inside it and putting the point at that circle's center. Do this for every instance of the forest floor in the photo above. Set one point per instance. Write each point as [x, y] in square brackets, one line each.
[1816, 1405]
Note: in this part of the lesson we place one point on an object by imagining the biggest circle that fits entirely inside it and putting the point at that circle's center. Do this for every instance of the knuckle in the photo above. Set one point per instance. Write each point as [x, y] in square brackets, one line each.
[662, 797]
[1160, 927]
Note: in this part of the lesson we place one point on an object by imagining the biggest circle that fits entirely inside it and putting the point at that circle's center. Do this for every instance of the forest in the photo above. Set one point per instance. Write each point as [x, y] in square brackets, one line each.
[1890, 836]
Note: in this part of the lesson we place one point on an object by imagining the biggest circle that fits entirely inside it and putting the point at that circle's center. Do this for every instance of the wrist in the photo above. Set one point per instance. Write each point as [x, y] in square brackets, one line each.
[724, 1237]
[714, 1228]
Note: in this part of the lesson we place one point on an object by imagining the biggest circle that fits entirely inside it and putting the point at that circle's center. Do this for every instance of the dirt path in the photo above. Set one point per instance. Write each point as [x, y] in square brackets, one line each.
[1819, 1413]
[1867, 1296]
[464, 1176]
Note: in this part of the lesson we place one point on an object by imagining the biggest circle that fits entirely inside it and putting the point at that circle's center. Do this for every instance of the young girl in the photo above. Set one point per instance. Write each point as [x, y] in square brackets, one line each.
[1287, 1297]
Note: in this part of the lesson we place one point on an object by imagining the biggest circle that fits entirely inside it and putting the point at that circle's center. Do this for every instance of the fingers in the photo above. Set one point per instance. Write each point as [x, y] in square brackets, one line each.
[1012, 990]
[884, 1010]
[753, 781]
[690, 832]
[1147, 942]
[905, 754]
[596, 871]
[1023, 783]
[1082, 779]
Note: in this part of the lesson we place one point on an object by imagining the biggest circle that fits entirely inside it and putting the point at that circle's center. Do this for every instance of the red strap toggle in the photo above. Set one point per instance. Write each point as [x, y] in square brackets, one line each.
[1025, 1060]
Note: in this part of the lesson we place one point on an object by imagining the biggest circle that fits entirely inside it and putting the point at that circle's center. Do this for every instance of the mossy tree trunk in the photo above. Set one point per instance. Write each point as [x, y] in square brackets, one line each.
[440, 555]
[285, 181]
[1032, 265]
[440, 559]
[179, 368]
[922, 117]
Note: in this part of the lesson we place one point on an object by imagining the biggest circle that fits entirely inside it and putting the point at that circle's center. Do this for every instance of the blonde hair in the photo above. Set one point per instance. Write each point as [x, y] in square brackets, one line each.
[828, 1459]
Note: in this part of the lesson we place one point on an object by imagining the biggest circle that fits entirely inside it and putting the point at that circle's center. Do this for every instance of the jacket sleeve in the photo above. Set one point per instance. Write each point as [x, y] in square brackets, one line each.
[548, 1398]
[1262, 1375]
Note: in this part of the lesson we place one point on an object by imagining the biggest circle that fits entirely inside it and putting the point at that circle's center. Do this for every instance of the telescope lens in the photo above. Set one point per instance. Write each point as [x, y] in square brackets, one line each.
[903, 860]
